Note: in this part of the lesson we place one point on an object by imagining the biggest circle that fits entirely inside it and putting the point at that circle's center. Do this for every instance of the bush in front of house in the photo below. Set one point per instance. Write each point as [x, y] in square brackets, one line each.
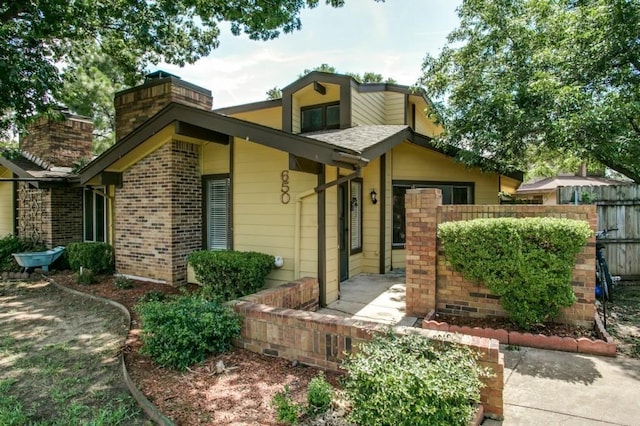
[183, 330]
[11, 244]
[528, 262]
[227, 274]
[91, 255]
[411, 380]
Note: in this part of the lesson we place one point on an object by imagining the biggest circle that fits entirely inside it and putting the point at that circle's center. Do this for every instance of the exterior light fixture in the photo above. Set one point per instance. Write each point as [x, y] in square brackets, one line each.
[374, 196]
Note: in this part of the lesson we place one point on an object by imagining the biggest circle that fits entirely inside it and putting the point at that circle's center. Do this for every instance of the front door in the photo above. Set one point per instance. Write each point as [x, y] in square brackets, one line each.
[343, 230]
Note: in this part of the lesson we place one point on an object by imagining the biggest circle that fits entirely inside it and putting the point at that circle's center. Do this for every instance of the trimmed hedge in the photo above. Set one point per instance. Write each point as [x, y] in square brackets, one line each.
[98, 257]
[410, 380]
[184, 330]
[528, 262]
[226, 274]
[12, 244]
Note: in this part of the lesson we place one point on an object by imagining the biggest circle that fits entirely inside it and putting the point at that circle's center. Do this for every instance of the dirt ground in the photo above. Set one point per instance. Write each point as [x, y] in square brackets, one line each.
[623, 318]
[59, 361]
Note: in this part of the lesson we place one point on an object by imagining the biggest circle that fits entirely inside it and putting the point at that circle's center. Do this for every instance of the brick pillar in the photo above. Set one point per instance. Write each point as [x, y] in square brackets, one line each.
[421, 206]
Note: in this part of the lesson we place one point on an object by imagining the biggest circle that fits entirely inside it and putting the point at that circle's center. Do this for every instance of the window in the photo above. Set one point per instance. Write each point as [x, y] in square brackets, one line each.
[95, 215]
[356, 216]
[320, 117]
[452, 193]
[217, 212]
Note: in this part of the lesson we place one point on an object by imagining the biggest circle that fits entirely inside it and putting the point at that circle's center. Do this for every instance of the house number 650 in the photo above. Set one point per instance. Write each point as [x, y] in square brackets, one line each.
[284, 188]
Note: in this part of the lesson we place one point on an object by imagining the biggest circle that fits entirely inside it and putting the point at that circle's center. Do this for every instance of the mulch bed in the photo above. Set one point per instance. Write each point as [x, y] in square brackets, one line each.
[549, 329]
[240, 396]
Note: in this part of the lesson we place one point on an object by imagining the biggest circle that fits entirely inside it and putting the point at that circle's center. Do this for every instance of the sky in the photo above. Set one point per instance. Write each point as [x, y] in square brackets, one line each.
[389, 38]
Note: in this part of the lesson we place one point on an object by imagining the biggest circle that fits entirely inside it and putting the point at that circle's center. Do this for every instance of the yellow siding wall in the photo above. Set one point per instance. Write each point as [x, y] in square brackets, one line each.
[424, 125]
[367, 108]
[307, 97]
[331, 229]
[388, 216]
[371, 219]
[395, 105]
[509, 185]
[270, 117]
[261, 222]
[214, 159]
[411, 162]
[6, 204]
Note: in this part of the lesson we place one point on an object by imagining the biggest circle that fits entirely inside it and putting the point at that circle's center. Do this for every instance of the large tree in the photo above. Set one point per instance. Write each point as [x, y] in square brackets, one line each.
[39, 37]
[520, 76]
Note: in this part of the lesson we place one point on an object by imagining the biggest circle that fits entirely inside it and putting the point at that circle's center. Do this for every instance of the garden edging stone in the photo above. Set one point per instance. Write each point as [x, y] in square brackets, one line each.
[604, 346]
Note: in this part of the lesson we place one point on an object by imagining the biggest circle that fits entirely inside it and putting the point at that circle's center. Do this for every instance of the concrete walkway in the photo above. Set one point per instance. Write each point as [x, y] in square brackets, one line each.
[379, 298]
[542, 387]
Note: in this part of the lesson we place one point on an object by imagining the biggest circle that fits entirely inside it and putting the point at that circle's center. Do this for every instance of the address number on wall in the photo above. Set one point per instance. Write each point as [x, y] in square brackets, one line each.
[284, 187]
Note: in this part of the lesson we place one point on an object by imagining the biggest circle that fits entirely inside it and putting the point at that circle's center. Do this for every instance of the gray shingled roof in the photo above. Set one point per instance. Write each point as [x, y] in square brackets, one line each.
[357, 138]
[25, 167]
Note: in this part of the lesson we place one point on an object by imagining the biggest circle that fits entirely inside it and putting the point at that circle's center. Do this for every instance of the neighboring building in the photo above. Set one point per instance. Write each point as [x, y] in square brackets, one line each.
[544, 190]
[317, 177]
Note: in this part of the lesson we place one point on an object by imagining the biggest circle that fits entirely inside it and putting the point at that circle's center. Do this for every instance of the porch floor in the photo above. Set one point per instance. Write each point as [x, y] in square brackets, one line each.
[372, 297]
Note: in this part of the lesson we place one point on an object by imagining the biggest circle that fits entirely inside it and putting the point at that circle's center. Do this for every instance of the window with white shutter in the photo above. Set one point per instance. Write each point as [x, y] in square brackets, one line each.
[217, 215]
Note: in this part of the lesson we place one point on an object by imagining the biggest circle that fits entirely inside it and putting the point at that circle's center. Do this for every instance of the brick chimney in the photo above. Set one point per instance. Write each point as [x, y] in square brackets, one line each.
[59, 143]
[136, 105]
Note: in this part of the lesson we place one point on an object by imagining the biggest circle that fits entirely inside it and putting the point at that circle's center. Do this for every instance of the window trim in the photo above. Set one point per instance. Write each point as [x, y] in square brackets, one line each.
[356, 250]
[96, 191]
[205, 179]
[324, 107]
[419, 184]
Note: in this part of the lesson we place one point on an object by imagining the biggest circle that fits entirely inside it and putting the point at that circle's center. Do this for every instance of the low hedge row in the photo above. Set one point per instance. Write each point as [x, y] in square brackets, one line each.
[227, 274]
[528, 262]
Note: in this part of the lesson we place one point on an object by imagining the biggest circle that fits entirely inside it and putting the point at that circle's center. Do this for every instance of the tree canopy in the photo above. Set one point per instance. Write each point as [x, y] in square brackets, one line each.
[40, 37]
[522, 76]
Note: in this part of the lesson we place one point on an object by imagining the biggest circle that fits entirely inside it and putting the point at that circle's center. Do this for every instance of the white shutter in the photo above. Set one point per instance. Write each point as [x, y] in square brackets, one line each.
[356, 215]
[218, 214]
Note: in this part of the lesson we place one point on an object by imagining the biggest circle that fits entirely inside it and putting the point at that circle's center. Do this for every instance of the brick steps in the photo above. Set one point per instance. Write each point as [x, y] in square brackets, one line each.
[604, 346]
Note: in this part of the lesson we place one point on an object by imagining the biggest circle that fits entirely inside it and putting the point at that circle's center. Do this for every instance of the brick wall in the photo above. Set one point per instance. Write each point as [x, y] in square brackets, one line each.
[322, 340]
[66, 216]
[158, 214]
[136, 105]
[431, 282]
[51, 216]
[59, 143]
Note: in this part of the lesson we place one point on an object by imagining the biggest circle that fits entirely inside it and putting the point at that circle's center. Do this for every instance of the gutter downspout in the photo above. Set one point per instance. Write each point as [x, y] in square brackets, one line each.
[298, 231]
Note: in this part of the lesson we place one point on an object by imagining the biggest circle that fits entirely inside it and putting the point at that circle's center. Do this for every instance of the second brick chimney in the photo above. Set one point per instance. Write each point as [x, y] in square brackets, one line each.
[136, 105]
[59, 143]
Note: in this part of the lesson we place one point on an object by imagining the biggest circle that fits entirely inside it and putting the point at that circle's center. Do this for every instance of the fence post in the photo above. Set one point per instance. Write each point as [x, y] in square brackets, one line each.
[421, 208]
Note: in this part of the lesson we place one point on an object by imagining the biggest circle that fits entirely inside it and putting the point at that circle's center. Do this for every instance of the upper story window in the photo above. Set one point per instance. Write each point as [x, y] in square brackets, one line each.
[320, 117]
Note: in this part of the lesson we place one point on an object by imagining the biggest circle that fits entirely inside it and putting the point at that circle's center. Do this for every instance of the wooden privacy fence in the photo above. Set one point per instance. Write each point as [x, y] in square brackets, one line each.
[618, 206]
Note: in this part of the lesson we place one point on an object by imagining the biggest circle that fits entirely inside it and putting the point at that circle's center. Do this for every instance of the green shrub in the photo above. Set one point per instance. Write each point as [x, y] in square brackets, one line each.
[96, 256]
[183, 330]
[12, 244]
[319, 395]
[528, 262]
[287, 410]
[85, 276]
[411, 380]
[123, 283]
[226, 274]
[153, 296]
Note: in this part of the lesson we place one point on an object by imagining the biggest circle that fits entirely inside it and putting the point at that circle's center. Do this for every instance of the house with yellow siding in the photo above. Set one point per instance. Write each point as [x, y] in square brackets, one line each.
[317, 177]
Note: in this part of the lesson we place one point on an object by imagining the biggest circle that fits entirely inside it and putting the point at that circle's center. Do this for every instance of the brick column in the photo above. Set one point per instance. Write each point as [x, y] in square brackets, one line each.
[421, 206]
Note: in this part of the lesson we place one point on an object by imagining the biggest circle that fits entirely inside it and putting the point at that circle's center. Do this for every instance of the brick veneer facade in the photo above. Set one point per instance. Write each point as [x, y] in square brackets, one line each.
[433, 285]
[158, 214]
[52, 217]
[134, 106]
[59, 143]
[274, 324]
